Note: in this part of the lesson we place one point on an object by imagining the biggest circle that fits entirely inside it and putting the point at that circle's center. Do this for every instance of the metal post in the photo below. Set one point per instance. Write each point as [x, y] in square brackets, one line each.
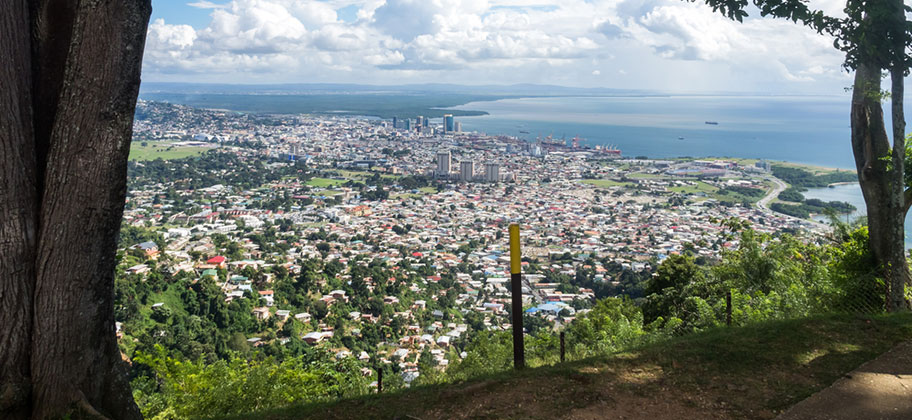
[728, 308]
[380, 380]
[562, 346]
[519, 351]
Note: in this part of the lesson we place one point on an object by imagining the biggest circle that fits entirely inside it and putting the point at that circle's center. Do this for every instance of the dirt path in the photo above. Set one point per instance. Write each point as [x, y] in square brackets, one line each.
[878, 390]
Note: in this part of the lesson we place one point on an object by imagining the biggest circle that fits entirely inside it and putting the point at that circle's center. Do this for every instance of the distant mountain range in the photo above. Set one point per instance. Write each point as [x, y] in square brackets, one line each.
[339, 88]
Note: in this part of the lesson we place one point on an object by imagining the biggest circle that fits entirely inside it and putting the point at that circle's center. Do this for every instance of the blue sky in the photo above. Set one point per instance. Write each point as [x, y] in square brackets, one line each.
[647, 44]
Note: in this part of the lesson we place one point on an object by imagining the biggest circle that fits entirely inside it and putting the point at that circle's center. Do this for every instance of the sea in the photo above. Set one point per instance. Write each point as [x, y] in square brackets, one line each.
[803, 129]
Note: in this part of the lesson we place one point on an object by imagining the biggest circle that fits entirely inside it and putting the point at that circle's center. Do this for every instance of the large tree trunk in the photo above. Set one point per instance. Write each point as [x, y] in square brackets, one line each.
[18, 210]
[880, 174]
[898, 283]
[67, 100]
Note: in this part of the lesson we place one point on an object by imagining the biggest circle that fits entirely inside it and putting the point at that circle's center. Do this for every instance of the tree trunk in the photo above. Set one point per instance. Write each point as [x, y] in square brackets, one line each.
[18, 207]
[881, 182]
[67, 100]
[898, 283]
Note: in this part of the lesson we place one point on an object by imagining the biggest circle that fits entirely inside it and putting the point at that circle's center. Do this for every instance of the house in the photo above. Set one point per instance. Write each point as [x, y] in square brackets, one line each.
[283, 314]
[313, 337]
[268, 296]
[303, 317]
[139, 269]
[149, 248]
[218, 261]
[443, 341]
[261, 313]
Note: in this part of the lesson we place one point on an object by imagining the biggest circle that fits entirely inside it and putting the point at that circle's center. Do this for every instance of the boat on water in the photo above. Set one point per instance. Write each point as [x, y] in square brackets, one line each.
[712, 123]
[523, 132]
[680, 137]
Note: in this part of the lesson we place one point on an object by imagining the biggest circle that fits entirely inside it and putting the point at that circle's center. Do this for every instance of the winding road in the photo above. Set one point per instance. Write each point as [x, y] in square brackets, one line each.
[780, 187]
[764, 202]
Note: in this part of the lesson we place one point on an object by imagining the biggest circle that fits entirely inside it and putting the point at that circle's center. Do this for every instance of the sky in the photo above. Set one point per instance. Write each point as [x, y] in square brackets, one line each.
[667, 45]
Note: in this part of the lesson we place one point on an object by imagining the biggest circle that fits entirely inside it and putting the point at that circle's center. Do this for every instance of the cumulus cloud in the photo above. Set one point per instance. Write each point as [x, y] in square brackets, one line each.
[204, 4]
[540, 40]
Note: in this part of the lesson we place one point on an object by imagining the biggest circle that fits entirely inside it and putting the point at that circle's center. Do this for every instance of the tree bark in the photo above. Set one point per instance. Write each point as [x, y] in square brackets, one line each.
[898, 282]
[881, 182]
[18, 207]
[67, 101]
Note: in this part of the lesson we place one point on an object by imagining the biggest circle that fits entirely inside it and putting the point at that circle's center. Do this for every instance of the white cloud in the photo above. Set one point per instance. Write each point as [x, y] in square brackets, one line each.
[204, 4]
[659, 43]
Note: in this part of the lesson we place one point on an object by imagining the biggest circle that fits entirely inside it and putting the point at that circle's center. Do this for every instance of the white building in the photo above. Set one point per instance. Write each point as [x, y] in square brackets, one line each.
[466, 170]
[444, 163]
[492, 172]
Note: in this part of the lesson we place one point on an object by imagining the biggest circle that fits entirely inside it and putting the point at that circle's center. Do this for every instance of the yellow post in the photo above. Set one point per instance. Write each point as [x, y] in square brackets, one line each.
[515, 253]
[519, 351]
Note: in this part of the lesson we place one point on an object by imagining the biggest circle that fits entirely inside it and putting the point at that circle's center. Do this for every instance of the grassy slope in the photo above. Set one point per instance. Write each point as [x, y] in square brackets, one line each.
[751, 372]
[154, 150]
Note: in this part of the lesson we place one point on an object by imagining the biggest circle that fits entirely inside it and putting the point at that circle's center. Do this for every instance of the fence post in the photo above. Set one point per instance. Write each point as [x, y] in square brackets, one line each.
[728, 308]
[519, 350]
[562, 346]
[380, 380]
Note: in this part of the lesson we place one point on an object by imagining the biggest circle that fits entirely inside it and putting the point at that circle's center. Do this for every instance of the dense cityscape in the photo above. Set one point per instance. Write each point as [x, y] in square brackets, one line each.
[384, 241]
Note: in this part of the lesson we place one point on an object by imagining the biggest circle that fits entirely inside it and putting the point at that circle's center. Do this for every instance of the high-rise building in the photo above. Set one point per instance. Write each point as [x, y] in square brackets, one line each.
[395, 122]
[449, 124]
[444, 160]
[419, 122]
[466, 170]
[492, 172]
[458, 127]
[408, 124]
[426, 122]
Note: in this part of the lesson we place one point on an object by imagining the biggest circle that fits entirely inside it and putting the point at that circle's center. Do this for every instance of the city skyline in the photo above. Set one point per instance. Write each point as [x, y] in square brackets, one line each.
[643, 44]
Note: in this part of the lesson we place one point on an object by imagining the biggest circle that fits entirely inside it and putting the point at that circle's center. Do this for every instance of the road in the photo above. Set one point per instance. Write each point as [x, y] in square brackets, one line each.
[764, 202]
[780, 187]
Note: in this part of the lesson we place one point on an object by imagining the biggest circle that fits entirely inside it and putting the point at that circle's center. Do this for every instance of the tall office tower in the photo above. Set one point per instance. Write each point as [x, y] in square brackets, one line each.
[408, 124]
[395, 122]
[419, 122]
[458, 127]
[448, 123]
[466, 170]
[426, 122]
[444, 159]
[492, 172]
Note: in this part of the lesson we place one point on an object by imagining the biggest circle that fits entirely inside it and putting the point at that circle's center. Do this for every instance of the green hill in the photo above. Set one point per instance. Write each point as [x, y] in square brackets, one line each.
[751, 372]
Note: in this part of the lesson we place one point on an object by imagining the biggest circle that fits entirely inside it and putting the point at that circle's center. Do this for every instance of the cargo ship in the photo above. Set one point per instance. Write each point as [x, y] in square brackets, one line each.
[712, 123]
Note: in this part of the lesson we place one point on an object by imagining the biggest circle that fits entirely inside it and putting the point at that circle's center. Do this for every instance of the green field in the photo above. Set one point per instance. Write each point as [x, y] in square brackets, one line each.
[605, 183]
[640, 175]
[163, 150]
[325, 182]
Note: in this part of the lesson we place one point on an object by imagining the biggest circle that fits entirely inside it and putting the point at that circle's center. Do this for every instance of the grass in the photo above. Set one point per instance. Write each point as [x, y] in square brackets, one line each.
[164, 150]
[752, 372]
[642, 175]
[325, 182]
[605, 183]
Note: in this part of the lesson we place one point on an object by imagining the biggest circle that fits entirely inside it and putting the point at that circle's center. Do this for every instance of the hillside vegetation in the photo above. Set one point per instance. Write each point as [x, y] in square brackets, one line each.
[674, 337]
[750, 372]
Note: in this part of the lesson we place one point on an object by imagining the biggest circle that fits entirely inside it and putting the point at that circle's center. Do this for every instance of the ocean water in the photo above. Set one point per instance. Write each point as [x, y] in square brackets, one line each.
[851, 194]
[805, 129]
